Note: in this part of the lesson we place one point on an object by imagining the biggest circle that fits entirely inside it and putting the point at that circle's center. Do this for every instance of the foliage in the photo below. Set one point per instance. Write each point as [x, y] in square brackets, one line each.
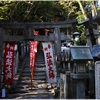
[38, 10]
[72, 9]
[81, 40]
[32, 11]
[8, 86]
[43, 11]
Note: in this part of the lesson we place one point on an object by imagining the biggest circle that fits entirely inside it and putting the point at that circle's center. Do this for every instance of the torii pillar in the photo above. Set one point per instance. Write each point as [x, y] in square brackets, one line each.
[57, 40]
[57, 44]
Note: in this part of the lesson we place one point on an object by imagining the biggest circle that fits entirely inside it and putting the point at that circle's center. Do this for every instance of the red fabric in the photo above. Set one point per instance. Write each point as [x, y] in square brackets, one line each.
[33, 50]
[32, 54]
[8, 62]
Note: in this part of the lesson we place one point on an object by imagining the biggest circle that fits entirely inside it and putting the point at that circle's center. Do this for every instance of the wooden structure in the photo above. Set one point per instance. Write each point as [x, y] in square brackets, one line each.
[28, 28]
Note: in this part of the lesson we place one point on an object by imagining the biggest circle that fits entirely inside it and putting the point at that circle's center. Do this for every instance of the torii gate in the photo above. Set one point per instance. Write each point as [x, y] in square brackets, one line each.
[28, 28]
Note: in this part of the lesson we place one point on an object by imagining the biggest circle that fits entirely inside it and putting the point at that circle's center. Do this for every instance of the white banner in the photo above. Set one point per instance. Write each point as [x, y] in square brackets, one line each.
[49, 61]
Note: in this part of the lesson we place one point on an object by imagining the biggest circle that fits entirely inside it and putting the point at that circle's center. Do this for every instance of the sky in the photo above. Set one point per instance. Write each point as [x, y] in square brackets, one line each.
[99, 2]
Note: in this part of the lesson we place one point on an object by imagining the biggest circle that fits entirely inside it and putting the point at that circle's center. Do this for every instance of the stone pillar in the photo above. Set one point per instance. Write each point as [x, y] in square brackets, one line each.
[77, 89]
[57, 45]
[28, 32]
[22, 50]
[89, 43]
[1, 54]
[95, 31]
[57, 40]
[80, 89]
[25, 34]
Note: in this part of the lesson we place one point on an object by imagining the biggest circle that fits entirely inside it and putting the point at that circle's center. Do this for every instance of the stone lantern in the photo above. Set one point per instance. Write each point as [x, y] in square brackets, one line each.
[76, 36]
[79, 55]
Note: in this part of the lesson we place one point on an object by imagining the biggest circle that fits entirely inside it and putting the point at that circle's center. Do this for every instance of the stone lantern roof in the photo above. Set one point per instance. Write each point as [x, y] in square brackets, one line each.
[81, 53]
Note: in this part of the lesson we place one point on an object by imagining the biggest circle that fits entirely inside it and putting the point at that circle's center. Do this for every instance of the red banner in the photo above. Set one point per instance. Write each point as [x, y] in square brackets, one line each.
[33, 50]
[8, 62]
[32, 54]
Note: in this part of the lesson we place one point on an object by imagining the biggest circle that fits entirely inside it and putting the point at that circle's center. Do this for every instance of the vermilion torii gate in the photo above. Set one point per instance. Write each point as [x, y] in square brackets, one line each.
[28, 27]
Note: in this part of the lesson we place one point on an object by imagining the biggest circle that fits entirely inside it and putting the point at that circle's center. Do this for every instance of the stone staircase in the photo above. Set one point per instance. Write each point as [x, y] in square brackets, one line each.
[39, 85]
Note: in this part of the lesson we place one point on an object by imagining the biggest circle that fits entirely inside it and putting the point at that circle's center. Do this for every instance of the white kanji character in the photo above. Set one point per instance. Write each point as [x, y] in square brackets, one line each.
[9, 62]
[8, 68]
[11, 48]
[8, 75]
[8, 46]
[9, 54]
[8, 72]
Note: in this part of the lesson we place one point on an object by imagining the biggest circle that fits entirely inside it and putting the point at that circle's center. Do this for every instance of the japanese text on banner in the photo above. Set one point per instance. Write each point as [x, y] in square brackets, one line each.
[8, 62]
[49, 61]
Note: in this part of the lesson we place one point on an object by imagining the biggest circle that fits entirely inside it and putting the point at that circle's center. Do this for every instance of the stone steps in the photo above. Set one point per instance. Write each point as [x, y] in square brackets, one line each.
[39, 65]
[43, 73]
[35, 86]
[22, 86]
[30, 96]
[39, 81]
[38, 77]
[20, 95]
[26, 90]
[26, 70]
[39, 84]
[36, 73]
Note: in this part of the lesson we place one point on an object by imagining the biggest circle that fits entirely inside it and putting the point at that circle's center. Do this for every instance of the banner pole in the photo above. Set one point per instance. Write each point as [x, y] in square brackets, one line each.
[31, 78]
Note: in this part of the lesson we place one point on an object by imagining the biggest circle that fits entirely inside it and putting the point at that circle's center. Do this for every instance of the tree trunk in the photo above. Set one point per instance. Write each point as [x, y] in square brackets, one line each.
[82, 9]
[93, 9]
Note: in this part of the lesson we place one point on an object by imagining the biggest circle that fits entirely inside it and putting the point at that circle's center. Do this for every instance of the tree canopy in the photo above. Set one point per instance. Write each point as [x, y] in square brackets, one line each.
[44, 11]
[38, 11]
